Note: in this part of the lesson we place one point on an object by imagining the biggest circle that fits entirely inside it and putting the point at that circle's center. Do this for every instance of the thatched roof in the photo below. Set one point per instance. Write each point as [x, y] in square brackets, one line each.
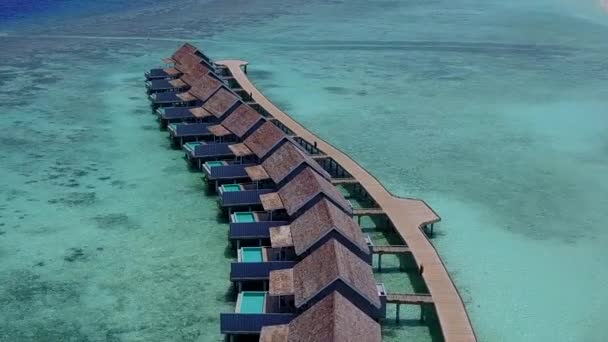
[187, 63]
[321, 219]
[177, 83]
[256, 173]
[305, 186]
[327, 264]
[334, 318]
[271, 201]
[264, 139]
[281, 282]
[205, 87]
[218, 130]
[286, 159]
[194, 75]
[220, 102]
[280, 237]
[186, 97]
[241, 120]
[274, 333]
[172, 71]
[240, 150]
[184, 50]
[199, 112]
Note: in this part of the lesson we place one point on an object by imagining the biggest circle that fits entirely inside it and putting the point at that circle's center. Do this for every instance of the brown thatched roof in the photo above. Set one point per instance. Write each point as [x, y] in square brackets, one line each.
[172, 71]
[274, 333]
[199, 112]
[318, 221]
[205, 87]
[184, 50]
[194, 75]
[218, 130]
[328, 263]
[240, 150]
[264, 139]
[286, 159]
[186, 97]
[256, 173]
[304, 187]
[177, 83]
[271, 201]
[281, 282]
[168, 60]
[280, 237]
[187, 62]
[220, 102]
[241, 120]
[334, 318]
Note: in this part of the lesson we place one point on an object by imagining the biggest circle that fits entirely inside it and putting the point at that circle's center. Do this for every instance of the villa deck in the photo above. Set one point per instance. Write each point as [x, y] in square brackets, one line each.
[407, 215]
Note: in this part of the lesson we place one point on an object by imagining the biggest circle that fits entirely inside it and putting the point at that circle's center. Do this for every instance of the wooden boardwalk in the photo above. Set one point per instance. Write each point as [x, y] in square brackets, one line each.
[407, 215]
[390, 249]
[408, 298]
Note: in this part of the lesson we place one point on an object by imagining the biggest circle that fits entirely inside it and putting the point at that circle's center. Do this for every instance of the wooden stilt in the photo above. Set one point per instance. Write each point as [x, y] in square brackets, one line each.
[398, 309]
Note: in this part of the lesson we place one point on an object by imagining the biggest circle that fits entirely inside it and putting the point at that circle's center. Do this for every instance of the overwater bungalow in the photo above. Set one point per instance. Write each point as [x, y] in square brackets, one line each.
[260, 143]
[211, 101]
[253, 311]
[180, 58]
[276, 169]
[322, 222]
[253, 267]
[331, 267]
[334, 318]
[279, 168]
[191, 73]
[301, 193]
[176, 58]
[234, 126]
[196, 95]
[292, 242]
[251, 228]
[292, 291]
[283, 165]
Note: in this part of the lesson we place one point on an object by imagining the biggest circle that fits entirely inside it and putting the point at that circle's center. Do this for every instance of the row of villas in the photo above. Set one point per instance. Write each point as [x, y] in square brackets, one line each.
[303, 269]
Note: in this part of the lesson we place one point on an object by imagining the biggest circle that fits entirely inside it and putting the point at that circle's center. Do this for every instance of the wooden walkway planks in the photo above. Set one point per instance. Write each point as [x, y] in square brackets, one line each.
[407, 215]
[408, 298]
[390, 249]
[368, 211]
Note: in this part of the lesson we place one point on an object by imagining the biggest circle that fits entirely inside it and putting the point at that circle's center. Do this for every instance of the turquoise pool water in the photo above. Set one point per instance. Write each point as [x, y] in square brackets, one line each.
[214, 163]
[252, 254]
[244, 217]
[231, 187]
[492, 111]
[252, 302]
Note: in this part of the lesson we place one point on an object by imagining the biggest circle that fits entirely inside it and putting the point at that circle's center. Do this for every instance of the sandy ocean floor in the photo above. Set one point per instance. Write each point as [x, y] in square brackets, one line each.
[494, 112]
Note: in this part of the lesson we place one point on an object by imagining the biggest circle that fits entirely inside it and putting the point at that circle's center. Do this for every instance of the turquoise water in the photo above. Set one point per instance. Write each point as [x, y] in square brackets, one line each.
[252, 254]
[252, 302]
[492, 111]
[214, 163]
[231, 187]
[244, 217]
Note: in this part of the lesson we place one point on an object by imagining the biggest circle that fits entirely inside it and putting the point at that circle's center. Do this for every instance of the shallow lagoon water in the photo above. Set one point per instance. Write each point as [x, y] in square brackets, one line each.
[493, 112]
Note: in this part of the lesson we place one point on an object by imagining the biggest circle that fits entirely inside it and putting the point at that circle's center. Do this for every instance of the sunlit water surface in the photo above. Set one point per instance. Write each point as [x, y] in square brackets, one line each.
[494, 112]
